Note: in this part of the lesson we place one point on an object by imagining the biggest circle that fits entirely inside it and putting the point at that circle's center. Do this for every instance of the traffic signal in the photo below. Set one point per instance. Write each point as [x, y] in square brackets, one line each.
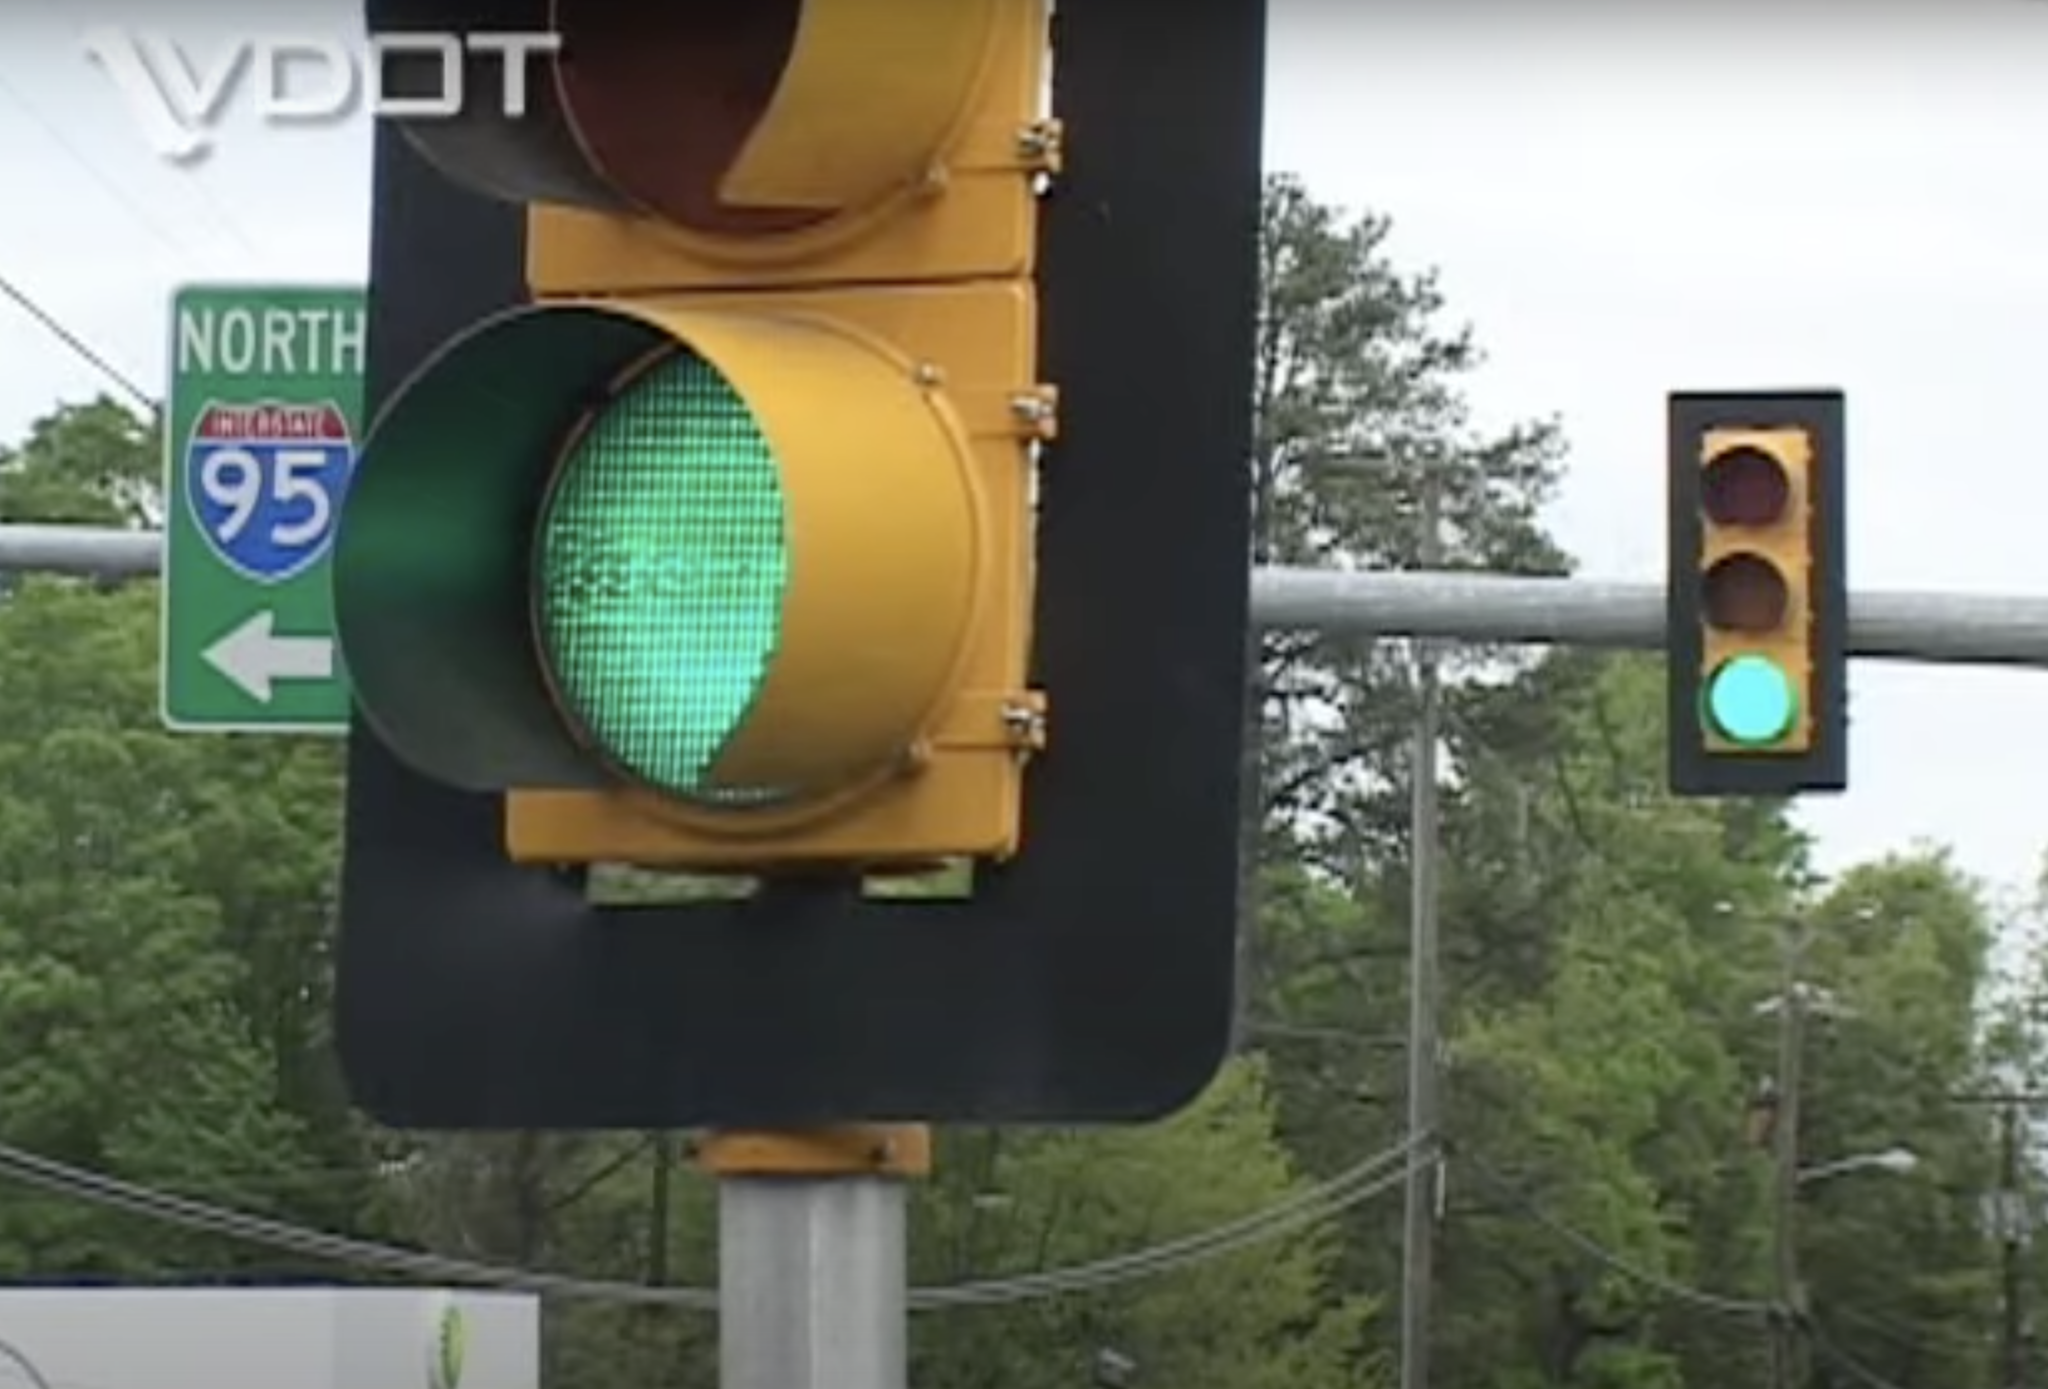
[743, 572]
[1757, 600]
[747, 494]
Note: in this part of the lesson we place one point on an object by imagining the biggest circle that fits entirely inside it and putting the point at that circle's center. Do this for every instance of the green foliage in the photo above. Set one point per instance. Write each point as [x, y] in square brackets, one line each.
[89, 465]
[1262, 1318]
[1358, 390]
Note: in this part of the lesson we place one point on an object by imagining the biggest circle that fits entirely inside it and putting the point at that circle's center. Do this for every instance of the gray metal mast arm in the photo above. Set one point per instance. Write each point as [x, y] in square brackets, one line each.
[1944, 628]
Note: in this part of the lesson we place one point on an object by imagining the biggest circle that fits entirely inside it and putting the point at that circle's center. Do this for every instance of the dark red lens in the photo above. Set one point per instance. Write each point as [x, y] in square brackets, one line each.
[1745, 593]
[1744, 487]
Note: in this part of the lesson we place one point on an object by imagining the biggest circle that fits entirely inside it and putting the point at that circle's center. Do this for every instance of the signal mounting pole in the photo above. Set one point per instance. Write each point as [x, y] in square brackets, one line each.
[812, 1261]
[1425, 1180]
[1788, 1371]
[2012, 1234]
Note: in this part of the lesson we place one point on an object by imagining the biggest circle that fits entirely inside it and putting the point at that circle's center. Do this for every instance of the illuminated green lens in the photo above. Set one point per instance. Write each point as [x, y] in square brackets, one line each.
[660, 570]
[1751, 701]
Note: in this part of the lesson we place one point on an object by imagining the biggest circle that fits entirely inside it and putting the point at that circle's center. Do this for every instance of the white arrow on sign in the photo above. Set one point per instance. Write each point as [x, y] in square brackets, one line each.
[254, 656]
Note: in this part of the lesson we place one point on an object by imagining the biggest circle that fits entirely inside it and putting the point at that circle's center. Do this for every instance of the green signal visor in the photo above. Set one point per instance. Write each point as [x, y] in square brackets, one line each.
[1751, 701]
[432, 603]
[727, 558]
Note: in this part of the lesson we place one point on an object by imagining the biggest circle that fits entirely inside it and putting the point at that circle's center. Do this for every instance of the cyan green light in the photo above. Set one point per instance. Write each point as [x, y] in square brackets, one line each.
[1751, 701]
[660, 566]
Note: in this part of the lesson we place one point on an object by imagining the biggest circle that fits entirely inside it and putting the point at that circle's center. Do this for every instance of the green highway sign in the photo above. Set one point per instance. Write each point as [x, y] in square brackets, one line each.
[260, 437]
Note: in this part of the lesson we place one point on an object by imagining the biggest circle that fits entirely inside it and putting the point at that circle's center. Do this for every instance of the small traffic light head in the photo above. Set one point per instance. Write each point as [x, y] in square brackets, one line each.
[1756, 602]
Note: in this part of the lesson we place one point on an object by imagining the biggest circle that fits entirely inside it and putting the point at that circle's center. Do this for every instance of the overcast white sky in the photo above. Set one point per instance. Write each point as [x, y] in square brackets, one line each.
[1624, 199]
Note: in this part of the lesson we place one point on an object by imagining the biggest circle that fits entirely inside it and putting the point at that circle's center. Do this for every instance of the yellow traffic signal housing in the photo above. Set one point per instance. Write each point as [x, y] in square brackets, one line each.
[1754, 555]
[748, 486]
[1758, 598]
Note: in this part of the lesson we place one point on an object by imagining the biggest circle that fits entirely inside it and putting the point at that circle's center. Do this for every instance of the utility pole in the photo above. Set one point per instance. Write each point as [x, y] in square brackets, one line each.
[2008, 1218]
[1424, 1182]
[1787, 1342]
[2012, 1321]
[658, 1202]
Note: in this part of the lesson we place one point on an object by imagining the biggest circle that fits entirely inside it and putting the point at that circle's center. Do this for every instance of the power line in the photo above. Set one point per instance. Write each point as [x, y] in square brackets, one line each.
[1825, 1347]
[1309, 1206]
[1814, 1333]
[107, 185]
[78, 345]
[1423, 1198]
[1901, 1337]
[218, 214]
[28, 1367]
[1586, 1244]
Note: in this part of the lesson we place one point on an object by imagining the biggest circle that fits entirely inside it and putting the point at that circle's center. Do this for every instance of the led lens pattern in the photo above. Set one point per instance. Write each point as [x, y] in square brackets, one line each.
[1751, 701]
[660, 567]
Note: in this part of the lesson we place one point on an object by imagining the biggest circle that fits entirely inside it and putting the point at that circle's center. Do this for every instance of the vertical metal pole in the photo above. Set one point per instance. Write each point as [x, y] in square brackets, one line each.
[1787, 1342]
[2012, 1210]
[812, 1257]
[1424, 1045]
[2009, 1219]
[811, 1279]
[658, 1198]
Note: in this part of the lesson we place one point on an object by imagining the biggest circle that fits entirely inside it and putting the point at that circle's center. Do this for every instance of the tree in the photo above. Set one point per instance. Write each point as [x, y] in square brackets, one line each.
[125, 1048]
[171, 896]
[1899, 1270]
[1005, 1204]
[1610, 942]
[1359, 410]
[97, 464]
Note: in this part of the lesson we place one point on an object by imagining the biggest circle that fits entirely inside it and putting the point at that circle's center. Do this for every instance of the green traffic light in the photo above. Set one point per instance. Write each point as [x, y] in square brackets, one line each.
[1751, 701]
[661, 562]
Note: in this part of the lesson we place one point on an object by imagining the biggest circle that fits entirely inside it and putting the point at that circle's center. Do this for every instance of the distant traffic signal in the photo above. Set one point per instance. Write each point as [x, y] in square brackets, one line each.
[1757, 601]
[703, 525]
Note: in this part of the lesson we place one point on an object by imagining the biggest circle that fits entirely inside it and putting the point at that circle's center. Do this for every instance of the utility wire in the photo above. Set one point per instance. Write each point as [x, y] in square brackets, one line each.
[1311, 1205]
[1825, 1347]
[27, 1367]
[78, 345]
[92, 170]
[1893, 1333]
[1815, 1334]
[1679, 1292]
[1307, 1207]
[112, 186]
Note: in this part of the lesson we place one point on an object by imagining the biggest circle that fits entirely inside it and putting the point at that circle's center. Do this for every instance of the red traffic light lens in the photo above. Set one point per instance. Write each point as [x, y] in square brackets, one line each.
[1745, 593]
[662, 97]
[1744, 487]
